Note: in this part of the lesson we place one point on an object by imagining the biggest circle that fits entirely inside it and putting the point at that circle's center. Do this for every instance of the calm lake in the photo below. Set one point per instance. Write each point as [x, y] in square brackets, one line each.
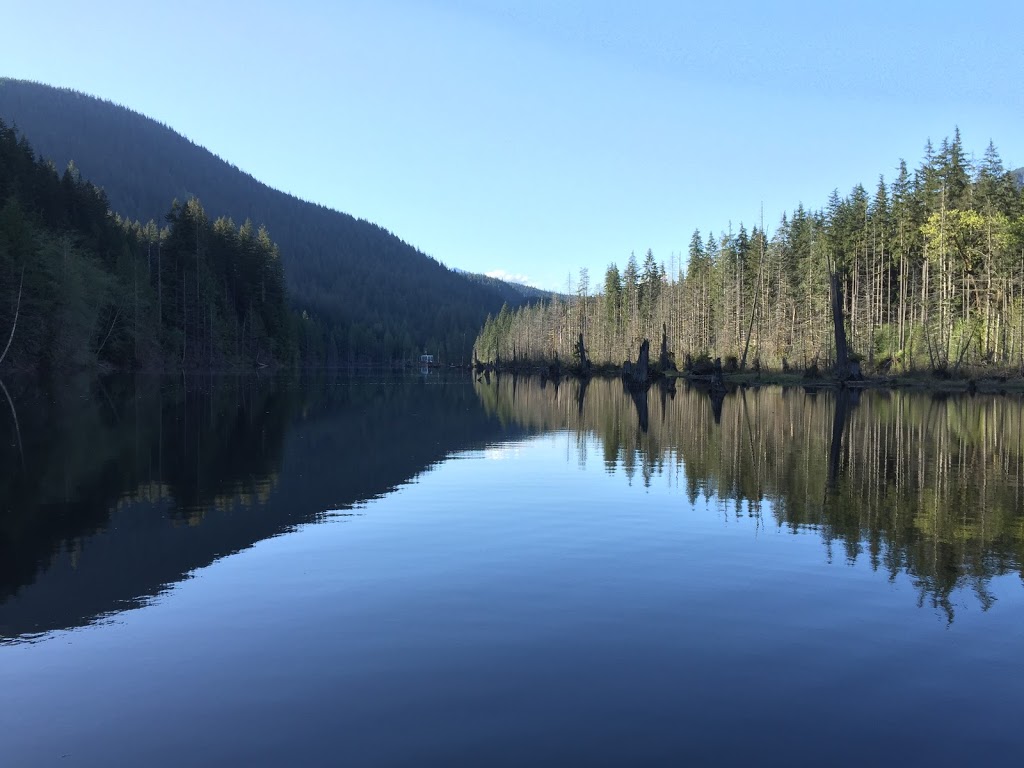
[361, 571]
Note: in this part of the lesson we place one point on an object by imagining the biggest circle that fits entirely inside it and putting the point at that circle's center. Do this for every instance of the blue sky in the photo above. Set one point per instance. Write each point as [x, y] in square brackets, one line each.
[534, 138]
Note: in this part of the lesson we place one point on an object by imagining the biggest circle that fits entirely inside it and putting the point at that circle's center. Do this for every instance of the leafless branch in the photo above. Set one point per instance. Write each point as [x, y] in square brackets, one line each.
[14, 325]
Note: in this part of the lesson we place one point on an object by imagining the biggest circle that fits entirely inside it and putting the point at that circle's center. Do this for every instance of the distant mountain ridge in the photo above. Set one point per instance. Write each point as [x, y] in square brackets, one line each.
[513, 292]
[370, 294]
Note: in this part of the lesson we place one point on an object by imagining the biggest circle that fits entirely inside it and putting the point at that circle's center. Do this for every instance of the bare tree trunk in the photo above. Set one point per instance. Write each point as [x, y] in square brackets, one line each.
[17, 309]
[844, 370]
[584, 362]
[14, 415]
[109, 331]
[664, 361]
[753, 308]
[135, 313]
[184, 320]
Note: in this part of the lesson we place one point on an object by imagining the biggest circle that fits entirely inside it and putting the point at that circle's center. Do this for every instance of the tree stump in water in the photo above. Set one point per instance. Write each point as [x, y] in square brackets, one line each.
[717, 382]
[665, 362]
[639, 373]
[582, 352]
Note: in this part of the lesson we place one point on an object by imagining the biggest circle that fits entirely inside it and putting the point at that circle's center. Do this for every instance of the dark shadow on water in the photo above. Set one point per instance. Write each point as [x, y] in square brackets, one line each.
[130, 484]
[581, 394]
[846, 400]
[638, 394]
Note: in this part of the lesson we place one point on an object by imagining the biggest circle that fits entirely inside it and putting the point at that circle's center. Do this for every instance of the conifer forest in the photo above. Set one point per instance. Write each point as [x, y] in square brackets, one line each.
[929, 265]
[85, 288]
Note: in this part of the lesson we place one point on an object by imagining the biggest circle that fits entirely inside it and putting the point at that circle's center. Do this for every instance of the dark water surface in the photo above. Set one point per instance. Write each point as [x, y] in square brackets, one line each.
[359, 571]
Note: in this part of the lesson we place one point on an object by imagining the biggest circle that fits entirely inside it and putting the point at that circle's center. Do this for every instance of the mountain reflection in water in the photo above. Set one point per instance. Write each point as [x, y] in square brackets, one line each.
[119, 488]
[377, 571]
[124, 486]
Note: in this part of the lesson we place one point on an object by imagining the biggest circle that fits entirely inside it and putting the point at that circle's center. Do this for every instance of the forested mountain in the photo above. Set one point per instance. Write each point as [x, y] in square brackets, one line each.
[80, 287]
[930, 266]
[365, 294]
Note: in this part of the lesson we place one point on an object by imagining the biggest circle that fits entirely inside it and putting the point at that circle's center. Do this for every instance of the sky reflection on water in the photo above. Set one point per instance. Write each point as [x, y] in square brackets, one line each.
[539, 598]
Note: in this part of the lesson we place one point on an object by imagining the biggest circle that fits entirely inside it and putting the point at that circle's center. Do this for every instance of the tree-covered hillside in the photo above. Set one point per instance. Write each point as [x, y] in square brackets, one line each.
[82, 288]
[366, 295]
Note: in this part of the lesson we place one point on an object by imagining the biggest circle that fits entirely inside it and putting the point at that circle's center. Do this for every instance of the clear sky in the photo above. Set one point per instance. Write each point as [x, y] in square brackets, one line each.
[534, 137]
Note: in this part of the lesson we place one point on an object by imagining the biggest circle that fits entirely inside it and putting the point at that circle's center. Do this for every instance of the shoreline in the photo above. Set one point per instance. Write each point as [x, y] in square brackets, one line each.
[1002, 382]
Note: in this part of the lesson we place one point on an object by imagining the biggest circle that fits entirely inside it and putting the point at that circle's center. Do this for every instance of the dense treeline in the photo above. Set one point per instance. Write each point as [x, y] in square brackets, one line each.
[365, 295]
[80, 287]
[924, 485]
[931, 271]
